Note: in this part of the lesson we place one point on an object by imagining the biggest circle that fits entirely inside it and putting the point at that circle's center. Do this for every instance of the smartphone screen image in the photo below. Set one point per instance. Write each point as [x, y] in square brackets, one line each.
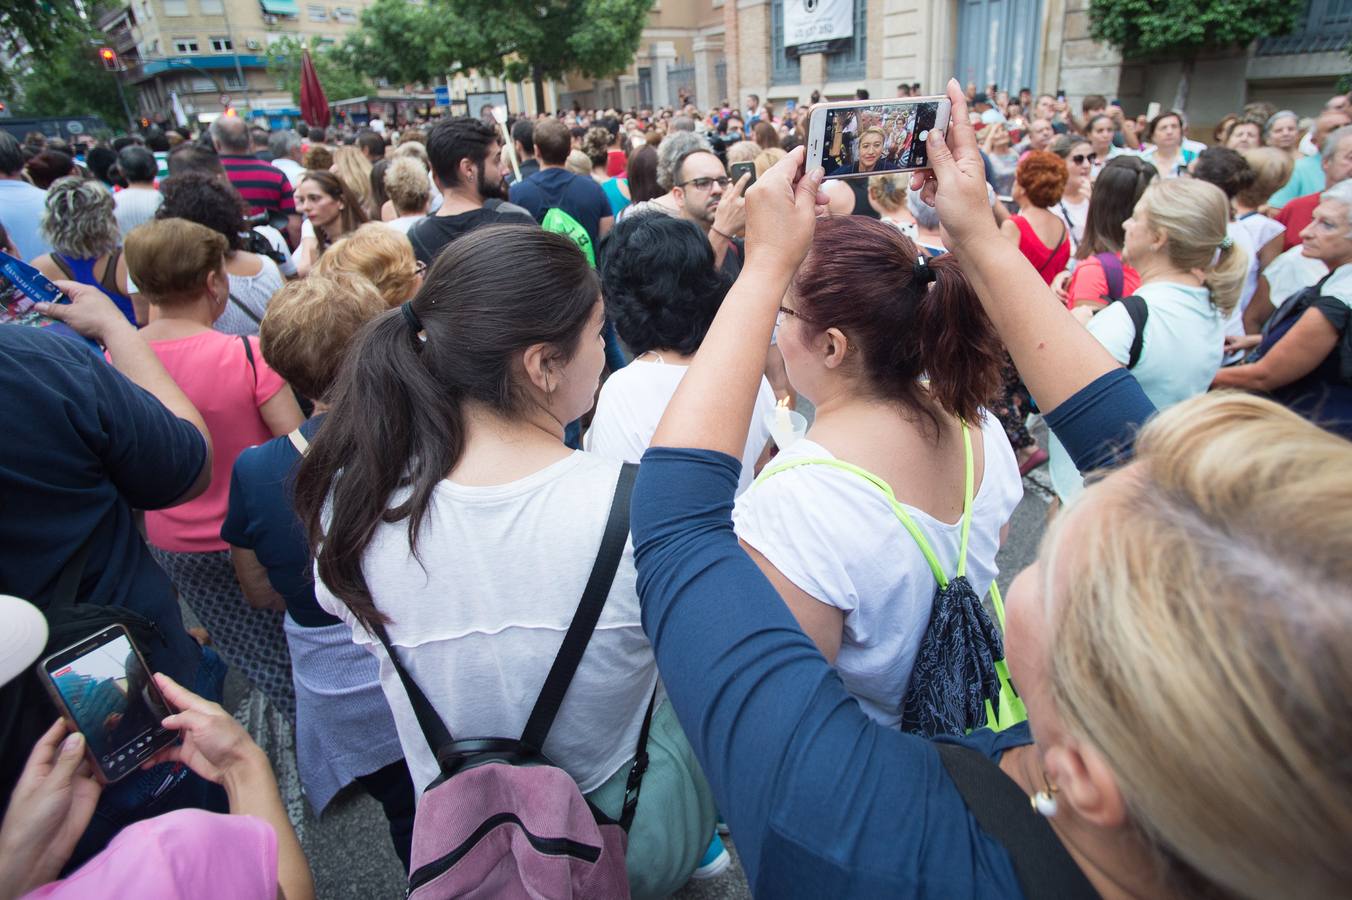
[869, 139]
[107, 690]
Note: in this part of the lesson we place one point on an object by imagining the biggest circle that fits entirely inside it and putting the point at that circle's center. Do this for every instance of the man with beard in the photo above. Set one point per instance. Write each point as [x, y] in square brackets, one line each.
[704, 194]
[554, 187]
[464, 155]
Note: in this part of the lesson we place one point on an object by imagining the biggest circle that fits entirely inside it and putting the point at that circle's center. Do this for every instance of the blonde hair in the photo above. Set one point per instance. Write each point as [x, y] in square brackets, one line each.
[378, 253]
[767, 158]
[873, 129]
[77, 218]
[1272, 169]
[407, 186]
[415, 149]
[1201, 642]
[169, 259]
[579, 163]
[354, 170]
[1194, 214]
[889, 191]
[311, 323]
[744, 151]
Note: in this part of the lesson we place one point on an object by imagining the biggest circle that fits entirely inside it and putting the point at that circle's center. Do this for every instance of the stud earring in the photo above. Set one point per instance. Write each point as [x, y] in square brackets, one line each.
[1044, 801]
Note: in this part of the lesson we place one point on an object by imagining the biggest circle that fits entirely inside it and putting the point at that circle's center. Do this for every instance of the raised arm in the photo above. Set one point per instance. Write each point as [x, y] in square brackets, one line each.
[1053, 352]
[712, 408]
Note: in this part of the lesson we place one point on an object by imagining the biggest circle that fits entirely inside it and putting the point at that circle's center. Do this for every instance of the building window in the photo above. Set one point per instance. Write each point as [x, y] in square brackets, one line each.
[345, 15]
[852, 62]
[211, 7]
[175, 7]
[185, 45]
[232, 80]
[317, 12]
[221, 45]
[784, 69]
[1325, 28]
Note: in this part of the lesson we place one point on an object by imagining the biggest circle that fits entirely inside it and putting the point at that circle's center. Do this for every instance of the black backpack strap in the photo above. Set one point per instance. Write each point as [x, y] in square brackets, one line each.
[239, 304]
[248, 354]
[1044, 869]
[588, 614]
[1139, 313]
[434, 730]
[67, 590]
[635, 782]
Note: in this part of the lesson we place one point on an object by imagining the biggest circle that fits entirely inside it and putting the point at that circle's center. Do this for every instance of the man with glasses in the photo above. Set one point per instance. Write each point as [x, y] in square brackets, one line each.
[704, 194]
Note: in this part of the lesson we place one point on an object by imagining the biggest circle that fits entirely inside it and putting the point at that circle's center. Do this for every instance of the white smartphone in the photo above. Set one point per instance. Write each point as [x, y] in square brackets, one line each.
[859, 138]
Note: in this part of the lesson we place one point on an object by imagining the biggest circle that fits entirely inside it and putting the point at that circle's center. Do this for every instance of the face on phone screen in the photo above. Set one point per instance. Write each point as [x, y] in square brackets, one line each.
[109, 693]
[879, 138]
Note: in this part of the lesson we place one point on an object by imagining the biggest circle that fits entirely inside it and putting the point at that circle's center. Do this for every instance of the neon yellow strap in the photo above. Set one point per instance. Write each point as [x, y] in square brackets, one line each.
[898, 510]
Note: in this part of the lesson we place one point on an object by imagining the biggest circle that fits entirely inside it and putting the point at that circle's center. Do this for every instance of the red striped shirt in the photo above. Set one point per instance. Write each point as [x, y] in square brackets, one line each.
[263, 186]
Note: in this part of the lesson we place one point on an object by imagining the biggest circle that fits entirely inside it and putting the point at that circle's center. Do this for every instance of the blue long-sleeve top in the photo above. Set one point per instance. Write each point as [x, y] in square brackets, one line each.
[824, 801]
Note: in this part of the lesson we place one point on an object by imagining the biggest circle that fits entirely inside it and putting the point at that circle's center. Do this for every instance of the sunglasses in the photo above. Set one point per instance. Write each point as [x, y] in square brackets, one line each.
[1079, 158]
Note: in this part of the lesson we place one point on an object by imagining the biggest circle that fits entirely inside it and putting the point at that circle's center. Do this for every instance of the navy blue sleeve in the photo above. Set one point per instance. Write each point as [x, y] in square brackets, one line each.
[235, 529]
[527, 196]
[823, 800]
[1098, 423]
[151, 455]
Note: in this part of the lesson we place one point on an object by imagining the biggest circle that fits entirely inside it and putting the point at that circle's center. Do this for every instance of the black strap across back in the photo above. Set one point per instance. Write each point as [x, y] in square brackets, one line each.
[1044, 869]
[453, 754]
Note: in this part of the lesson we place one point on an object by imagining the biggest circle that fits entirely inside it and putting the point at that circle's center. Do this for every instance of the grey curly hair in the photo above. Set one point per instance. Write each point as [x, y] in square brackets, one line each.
[78, 220]
[673, 150]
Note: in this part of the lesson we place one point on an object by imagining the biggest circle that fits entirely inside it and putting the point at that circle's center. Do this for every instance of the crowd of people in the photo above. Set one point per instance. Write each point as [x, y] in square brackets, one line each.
[367, 402]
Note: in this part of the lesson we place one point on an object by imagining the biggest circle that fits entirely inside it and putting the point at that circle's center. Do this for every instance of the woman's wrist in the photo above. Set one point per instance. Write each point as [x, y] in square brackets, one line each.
[246, 774]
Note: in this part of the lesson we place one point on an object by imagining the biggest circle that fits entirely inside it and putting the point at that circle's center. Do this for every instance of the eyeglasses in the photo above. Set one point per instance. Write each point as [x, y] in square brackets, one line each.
[419, 267]
[1079, 158]
[704, 184]
[784, 312]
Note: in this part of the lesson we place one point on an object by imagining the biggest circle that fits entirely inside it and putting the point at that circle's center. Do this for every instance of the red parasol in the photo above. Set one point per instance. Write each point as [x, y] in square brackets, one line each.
[314, 106]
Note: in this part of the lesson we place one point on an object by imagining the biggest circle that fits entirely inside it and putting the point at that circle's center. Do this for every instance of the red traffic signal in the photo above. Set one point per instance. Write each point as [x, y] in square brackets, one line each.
[109, 58]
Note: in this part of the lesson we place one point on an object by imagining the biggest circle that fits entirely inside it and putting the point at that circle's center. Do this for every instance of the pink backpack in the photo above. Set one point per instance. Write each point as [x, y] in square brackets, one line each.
[502, 821]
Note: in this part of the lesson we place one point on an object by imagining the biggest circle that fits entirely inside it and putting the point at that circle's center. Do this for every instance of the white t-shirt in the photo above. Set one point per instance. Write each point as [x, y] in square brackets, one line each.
[835, 536]
[1181, 353]
[274, 237]
[1290, 272]
[404, 223]
[1243, 239]
[253, 292]
[480, 616]
[1074, 215]
[632, 402]
[135, 206]
[294, 171]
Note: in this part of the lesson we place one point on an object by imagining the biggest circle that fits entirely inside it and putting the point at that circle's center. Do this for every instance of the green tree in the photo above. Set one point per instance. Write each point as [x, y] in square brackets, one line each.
[336, 75]
[67, 79]
[42, 27]
[514, 39]
[1144, 28]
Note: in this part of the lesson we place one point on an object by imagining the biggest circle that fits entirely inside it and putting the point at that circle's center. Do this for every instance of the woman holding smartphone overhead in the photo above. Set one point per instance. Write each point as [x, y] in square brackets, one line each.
[1206, 760]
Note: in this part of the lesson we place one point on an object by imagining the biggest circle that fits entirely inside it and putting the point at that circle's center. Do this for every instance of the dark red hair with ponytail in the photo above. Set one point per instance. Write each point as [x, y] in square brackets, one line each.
[860, 277]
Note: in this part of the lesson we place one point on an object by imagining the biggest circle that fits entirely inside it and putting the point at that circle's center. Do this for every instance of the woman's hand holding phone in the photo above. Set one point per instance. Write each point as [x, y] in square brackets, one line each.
[956, 180]
[213, 744]
[52, 804]
[781, 213]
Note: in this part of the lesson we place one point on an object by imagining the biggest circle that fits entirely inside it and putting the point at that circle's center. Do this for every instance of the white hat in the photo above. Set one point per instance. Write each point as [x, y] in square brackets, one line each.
[23, 635]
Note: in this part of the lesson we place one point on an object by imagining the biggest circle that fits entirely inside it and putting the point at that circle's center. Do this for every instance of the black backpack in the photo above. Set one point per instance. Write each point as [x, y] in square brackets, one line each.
[1139, 313]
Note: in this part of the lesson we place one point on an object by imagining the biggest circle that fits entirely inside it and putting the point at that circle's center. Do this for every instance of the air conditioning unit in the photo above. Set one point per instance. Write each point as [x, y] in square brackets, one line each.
[269, 20]
[253, 44]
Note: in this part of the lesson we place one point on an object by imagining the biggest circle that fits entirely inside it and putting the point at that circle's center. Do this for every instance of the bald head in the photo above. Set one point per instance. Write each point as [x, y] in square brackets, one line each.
[230, 134]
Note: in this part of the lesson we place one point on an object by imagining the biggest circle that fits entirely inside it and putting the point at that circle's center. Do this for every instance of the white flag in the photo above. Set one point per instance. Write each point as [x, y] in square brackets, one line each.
[180, 117]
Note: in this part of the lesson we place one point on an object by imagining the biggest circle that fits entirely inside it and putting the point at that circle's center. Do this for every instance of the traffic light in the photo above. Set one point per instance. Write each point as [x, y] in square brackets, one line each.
[109, 57]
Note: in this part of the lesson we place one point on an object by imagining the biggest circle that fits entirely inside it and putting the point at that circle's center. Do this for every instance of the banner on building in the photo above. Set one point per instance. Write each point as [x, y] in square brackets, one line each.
[819, 23]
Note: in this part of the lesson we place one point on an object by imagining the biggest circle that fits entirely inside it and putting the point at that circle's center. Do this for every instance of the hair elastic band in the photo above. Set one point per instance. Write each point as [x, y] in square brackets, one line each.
[923, 272]
[1227, 242]
[415, 324]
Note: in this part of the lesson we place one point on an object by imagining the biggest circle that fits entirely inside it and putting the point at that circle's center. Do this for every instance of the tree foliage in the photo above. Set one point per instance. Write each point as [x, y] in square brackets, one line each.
[43, 26]
[336, 74]
[1149, 27]
[67, 79]
[515, 39]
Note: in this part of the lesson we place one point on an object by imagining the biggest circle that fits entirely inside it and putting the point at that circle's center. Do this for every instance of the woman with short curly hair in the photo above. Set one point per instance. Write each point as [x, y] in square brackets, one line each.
[1039, 181]
[253, 278]
[662, 291]
[80, 225]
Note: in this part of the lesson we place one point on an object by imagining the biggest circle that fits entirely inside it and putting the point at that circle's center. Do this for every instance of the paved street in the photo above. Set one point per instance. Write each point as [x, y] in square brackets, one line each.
[349, 848]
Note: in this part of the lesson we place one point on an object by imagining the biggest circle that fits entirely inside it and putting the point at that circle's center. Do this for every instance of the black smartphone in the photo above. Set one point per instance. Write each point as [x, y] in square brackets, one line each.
[103, 688]
[737, 170]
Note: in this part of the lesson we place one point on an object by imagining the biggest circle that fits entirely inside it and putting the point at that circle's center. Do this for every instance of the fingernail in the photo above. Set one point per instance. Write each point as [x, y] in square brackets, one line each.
[72, 743]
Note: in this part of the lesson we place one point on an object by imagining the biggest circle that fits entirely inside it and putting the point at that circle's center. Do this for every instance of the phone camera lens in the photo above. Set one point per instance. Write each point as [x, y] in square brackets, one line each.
[923, 135]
